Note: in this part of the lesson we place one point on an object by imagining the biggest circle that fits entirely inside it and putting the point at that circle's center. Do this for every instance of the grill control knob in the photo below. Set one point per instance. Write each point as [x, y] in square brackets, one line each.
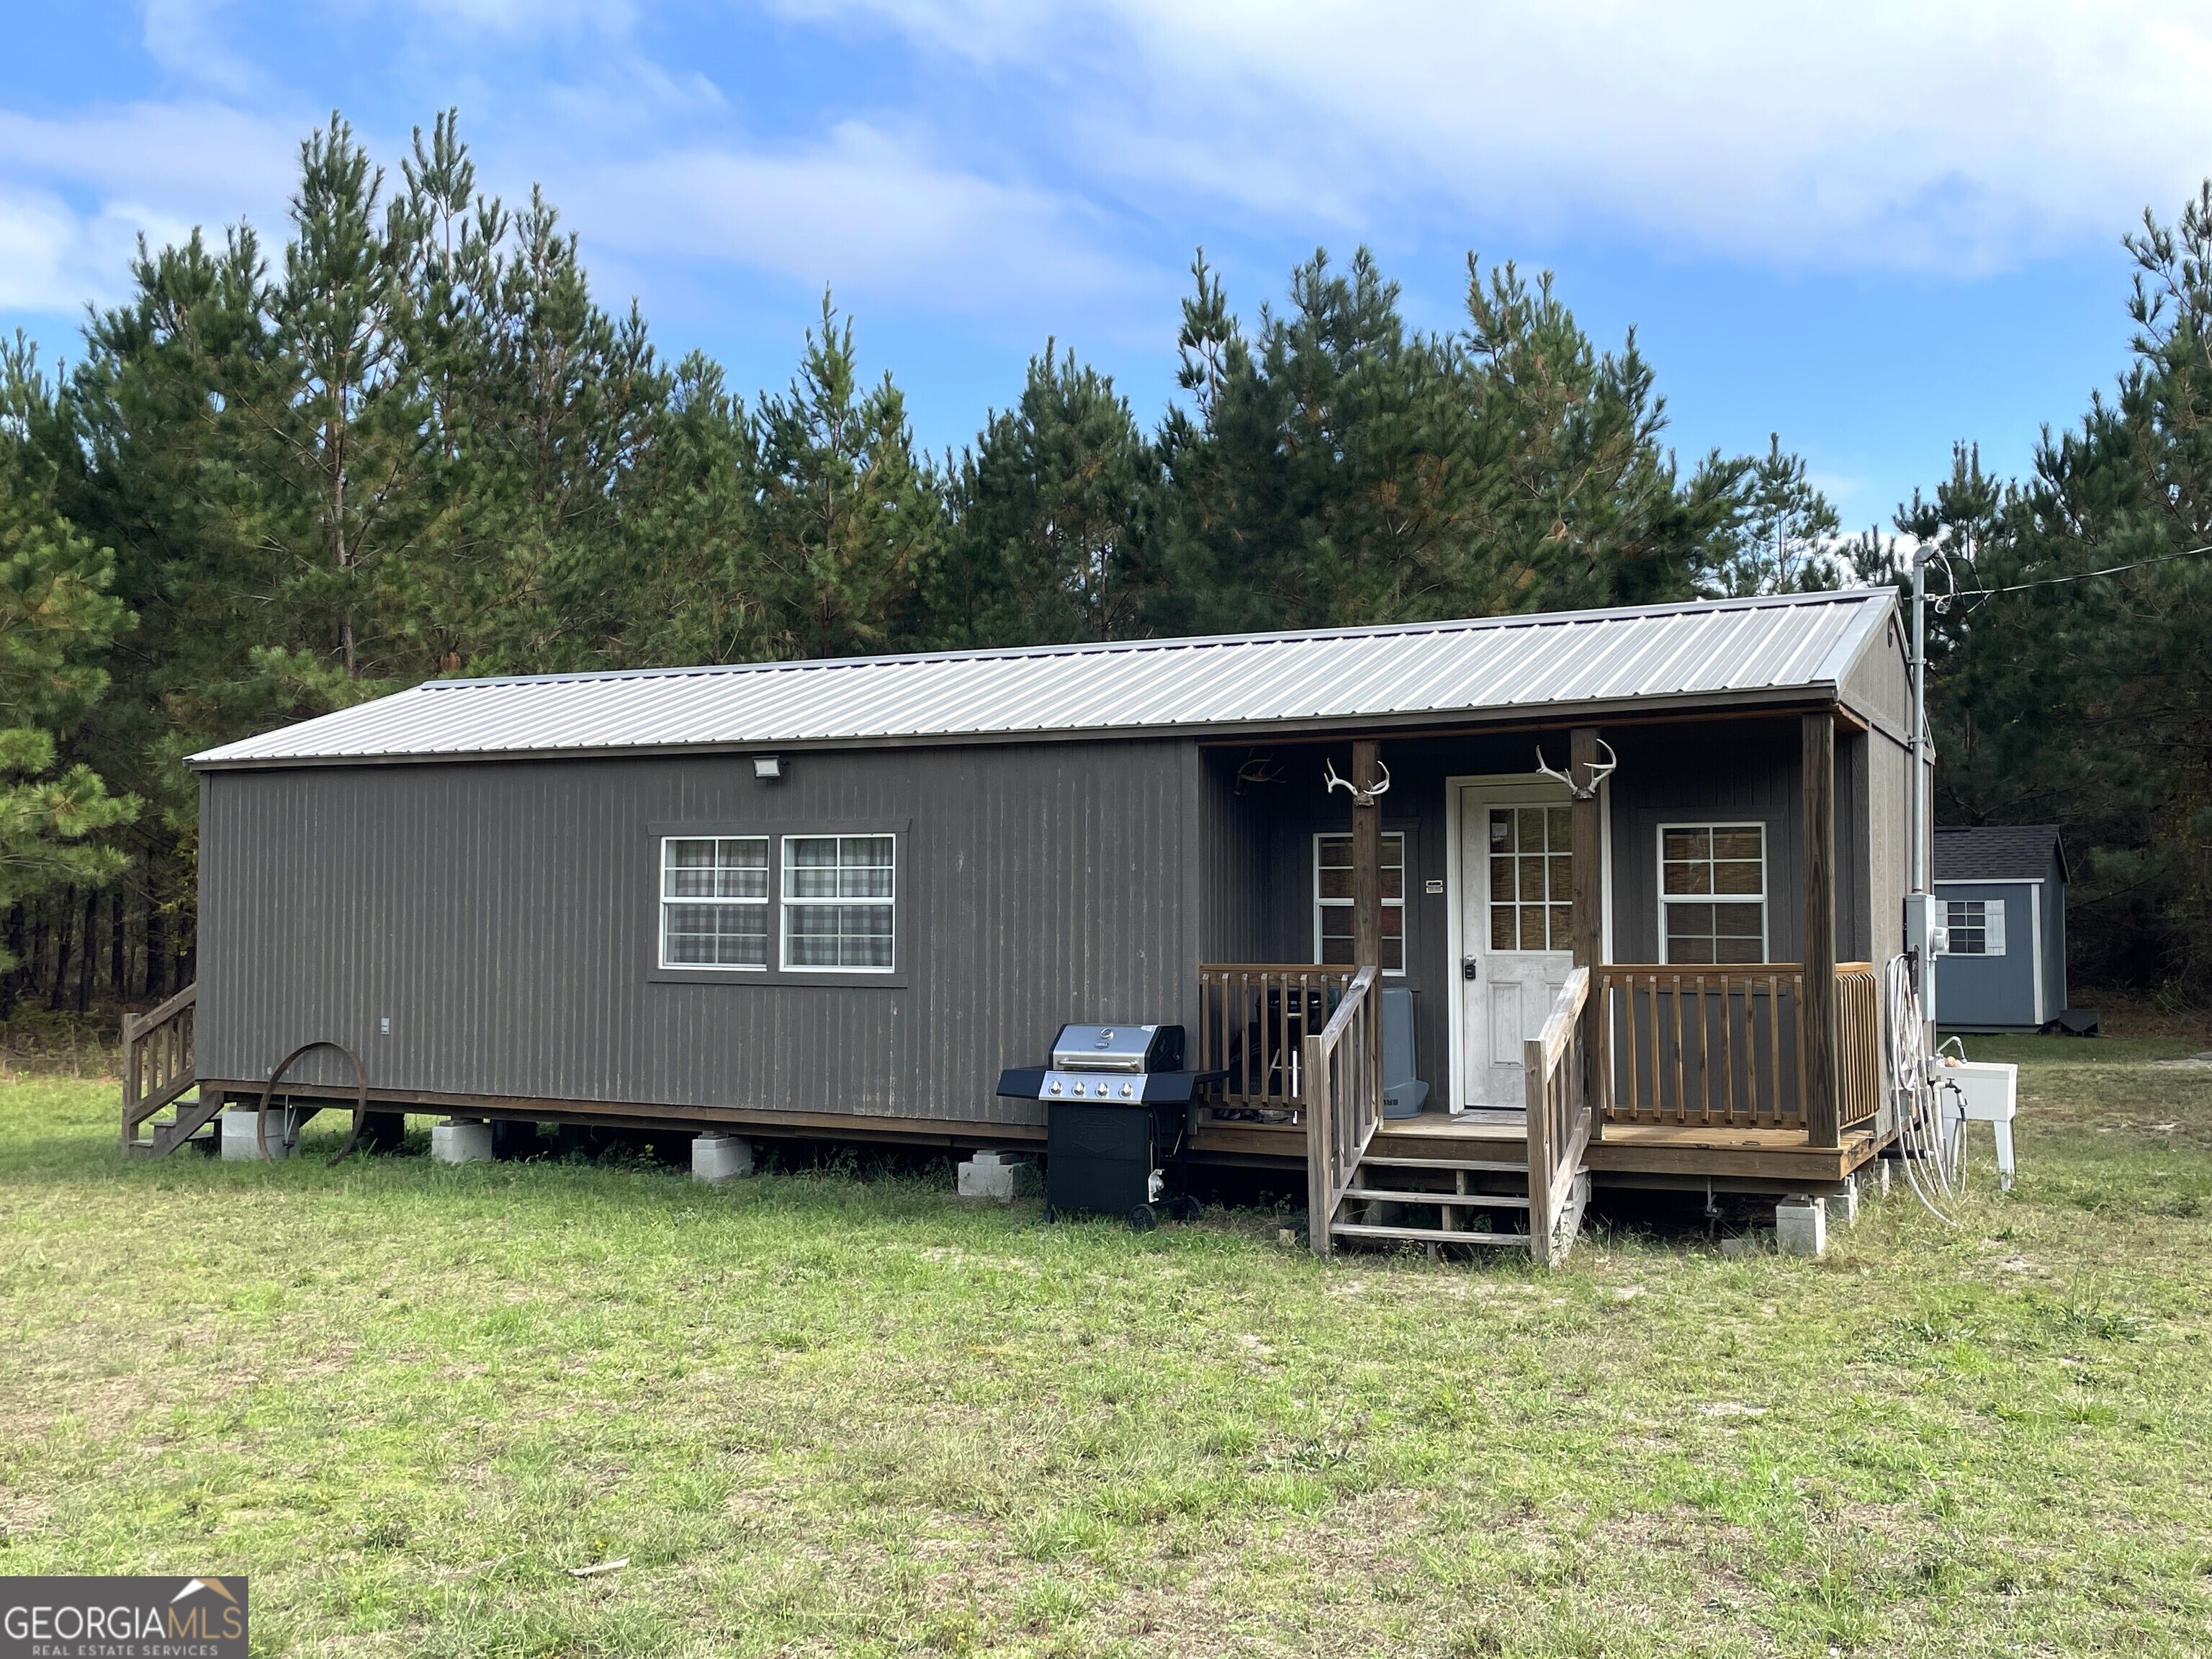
[1079, 1088]
[1055, 1085]
[1127, 1090]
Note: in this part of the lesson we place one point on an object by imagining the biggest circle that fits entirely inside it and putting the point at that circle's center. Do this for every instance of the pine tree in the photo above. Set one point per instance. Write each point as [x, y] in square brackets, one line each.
[850, 520]
[1053, 508]
[57, 617]
[1784, 537]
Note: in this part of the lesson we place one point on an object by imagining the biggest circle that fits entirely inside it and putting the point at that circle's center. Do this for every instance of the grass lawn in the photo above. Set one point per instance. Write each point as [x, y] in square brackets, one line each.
[821, 1413]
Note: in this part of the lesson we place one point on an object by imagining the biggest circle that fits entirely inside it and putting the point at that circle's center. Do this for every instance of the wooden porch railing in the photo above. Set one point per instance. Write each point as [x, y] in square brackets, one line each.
[1858, 994]
[157, 1069]
[1556, 1077]
[1253, 1021]
[1724, 1045]
[1343, 1102]
[1703, 1045]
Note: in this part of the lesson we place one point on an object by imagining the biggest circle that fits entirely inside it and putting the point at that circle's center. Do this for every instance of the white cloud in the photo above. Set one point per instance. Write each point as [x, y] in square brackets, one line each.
[38, 253]
[183, 36]
[1885, 133]
[76, 193]
[862, 212]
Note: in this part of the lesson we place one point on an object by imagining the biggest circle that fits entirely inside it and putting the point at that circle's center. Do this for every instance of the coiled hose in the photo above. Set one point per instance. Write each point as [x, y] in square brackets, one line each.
[1920, 1133]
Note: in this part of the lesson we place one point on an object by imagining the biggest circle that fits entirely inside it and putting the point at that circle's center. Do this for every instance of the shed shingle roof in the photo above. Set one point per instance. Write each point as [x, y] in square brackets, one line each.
[1997, 851]
[1732, 651]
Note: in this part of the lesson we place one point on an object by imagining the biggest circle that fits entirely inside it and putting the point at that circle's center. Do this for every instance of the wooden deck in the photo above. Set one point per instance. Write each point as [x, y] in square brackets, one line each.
[1628, 1155]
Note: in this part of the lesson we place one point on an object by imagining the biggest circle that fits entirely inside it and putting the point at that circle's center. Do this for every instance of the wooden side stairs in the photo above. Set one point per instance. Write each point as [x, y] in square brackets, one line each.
[158, 1074]
[1350, 1188]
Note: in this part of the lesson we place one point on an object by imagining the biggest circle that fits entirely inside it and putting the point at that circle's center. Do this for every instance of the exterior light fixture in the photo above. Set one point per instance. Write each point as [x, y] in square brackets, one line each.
[768, 767]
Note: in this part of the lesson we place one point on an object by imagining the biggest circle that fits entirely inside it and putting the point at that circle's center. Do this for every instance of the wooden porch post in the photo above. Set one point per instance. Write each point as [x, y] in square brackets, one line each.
[1587, 843]
[1367, 880]
[1818, 1015]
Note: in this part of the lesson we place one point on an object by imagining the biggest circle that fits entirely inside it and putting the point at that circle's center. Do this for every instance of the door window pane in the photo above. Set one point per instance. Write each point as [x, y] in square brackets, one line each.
[1531, 878]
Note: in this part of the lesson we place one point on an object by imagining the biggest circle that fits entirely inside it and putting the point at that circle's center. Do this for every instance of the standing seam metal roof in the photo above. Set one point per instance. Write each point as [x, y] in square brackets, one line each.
[1730, 650]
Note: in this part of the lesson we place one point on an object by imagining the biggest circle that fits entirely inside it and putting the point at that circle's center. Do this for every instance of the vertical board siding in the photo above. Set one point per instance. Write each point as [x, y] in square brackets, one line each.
[504, 915]
[1889, 833]
[1748, 774]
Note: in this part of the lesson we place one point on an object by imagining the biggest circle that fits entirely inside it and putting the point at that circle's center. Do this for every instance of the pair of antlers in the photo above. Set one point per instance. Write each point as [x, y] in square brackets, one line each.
[1359, 797]
[1598, 772]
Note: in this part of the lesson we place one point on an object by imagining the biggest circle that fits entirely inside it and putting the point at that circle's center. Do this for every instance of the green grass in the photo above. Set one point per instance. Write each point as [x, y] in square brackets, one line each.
[825, 1414]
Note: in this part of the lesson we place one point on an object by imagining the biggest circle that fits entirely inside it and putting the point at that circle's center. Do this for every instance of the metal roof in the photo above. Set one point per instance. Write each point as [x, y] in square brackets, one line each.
[1998, 852]
[1724, 651]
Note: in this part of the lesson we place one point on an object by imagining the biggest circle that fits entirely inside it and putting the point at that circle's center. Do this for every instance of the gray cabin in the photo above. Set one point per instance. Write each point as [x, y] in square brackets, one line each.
[2001, 893]
[1632, 870]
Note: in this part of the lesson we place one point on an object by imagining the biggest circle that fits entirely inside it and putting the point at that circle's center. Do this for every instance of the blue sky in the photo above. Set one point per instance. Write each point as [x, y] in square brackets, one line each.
[1873, 228]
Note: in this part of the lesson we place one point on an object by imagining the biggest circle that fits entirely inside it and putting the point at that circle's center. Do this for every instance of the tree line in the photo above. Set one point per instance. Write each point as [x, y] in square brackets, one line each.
[408, 442]
[2060, 694]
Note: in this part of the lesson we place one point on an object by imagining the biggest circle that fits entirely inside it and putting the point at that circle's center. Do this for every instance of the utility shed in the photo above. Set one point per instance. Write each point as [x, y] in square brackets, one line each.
[2003, 888]
[838, 897]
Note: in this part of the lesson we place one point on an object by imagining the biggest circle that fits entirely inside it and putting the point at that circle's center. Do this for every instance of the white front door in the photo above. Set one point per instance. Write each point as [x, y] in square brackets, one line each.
[1516, 930]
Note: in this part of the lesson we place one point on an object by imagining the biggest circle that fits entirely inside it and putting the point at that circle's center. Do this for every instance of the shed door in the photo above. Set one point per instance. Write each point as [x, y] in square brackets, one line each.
[1516, 930]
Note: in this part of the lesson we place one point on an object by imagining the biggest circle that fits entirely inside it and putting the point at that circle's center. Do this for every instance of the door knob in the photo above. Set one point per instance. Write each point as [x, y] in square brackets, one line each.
[1470, 966]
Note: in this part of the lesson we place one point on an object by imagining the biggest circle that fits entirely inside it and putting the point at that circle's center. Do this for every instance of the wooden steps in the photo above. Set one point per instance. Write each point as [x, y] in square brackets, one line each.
[1383, 1180]
[158, 1070]
[1465, 1201]
[193, 1116]
[1428, 1235]
[1515, 1166]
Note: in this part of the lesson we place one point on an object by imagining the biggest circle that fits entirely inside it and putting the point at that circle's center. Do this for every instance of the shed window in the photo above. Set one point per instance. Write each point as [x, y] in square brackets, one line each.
[1713, 892]
[1974, 927]
[840, 895]
[713, 901]
[1332, 900]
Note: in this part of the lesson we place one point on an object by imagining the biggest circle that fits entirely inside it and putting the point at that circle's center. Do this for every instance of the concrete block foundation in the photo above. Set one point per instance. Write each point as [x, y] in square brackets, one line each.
[1801, 1226]
[1001, 1176]
[720, 1158]
[461, 1140]
[239, 1133]
[1844, 1207]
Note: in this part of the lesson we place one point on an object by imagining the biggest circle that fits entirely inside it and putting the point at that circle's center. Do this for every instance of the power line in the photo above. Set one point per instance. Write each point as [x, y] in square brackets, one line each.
[2079, 576]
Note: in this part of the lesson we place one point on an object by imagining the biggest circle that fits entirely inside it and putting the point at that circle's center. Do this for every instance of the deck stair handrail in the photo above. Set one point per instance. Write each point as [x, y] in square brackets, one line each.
[158, 1070]
[1253, 1020]
[1343, 1088]
[1556, 1077]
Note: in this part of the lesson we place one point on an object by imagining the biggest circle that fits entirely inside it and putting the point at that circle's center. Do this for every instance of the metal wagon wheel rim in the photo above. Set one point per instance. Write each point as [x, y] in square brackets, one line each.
[360, 1100]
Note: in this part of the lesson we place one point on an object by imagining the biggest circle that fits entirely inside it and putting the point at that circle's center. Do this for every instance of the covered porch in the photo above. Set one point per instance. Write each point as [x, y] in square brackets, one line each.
[1570, 983]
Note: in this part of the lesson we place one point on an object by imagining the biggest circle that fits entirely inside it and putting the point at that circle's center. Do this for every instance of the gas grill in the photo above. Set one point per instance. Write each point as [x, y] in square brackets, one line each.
[1116, 1120]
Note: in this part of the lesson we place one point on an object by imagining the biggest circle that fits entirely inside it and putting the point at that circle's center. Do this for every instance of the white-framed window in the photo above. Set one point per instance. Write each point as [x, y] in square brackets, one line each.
[1532, 879]
[840, 903]
[1713, 892]
[1974, 927]
[1333, 934]
[713, 901]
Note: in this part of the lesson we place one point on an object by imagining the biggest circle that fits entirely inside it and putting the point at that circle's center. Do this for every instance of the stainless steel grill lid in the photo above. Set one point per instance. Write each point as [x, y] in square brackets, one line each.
[1117, 1049]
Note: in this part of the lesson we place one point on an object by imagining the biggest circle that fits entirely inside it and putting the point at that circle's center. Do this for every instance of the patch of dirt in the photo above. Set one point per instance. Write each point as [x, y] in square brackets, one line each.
[2130, 1014]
